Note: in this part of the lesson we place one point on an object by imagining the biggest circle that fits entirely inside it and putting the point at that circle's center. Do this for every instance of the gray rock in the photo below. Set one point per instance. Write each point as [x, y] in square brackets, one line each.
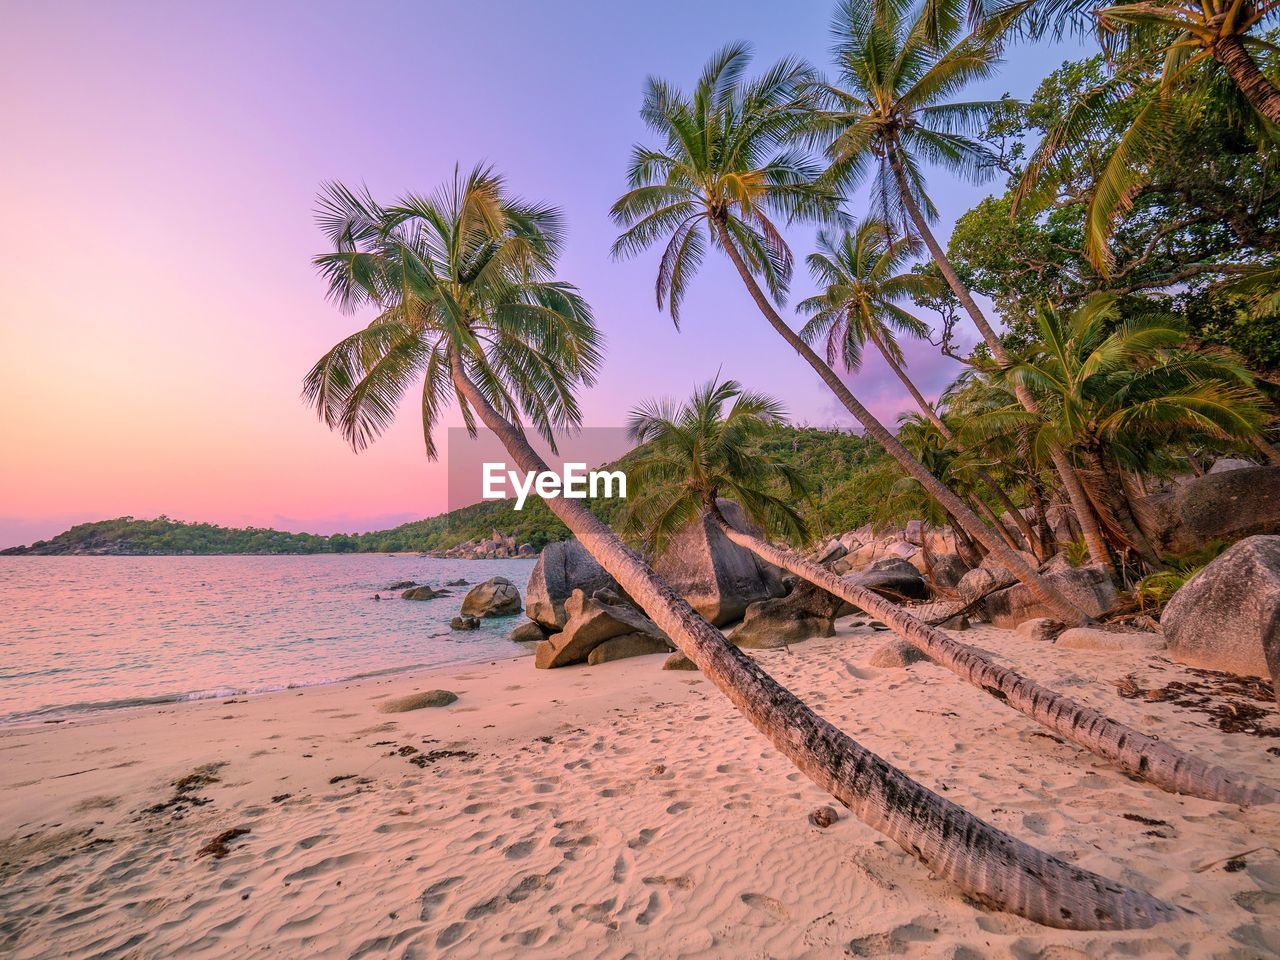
[893, 577]
[528, 632]
[832, 552]
[562, 568]
[496, 597]
[1227, 464]
[464, 623]
[419, 701]
[718, 578]
[627, 645]
[824, 817]
[896, 653]
[1091, 638]
[981, 580]
[946, 571]
[1040, 628]
[460, 582]
[423, 593]
[1089, 588]
[678, 661]
[1228, 506]
[1227, 617]
[807, 611]
[401, 585]
[589, 624]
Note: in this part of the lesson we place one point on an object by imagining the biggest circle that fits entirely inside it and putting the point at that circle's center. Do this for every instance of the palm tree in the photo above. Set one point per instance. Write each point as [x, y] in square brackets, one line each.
[727, 162]
[893, 104]
[863, 284]
[1108, 387]
[705, 449]
[462, 290]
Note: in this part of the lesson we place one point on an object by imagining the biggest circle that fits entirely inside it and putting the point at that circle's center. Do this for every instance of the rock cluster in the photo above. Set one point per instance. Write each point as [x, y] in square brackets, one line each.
[590, 623]
[497, 546]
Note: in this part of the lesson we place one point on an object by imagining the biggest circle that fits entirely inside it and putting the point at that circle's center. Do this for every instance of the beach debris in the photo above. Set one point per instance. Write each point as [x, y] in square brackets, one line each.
[435, 756]
[464, 623]
[217, 847]
[1230, 701]
[418, 701]
[824, 817]
[340, 777]
[281, 797]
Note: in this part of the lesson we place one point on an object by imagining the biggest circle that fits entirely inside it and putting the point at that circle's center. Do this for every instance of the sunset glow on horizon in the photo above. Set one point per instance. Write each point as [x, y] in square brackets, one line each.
[159, 305]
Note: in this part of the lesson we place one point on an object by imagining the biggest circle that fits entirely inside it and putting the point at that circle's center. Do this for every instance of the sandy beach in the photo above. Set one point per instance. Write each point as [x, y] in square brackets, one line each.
[606, 811]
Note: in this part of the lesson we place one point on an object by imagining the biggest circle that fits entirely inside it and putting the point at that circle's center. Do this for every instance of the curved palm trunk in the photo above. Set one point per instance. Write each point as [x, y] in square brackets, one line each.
[927, 409]
[1140, 755]
[1044, 592]
[1110, 491]
[1243, 70]
[1061, 463]
[991, 866]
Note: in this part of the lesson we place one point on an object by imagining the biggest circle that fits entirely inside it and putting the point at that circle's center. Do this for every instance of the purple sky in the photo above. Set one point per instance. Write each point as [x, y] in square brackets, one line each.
[160, 163]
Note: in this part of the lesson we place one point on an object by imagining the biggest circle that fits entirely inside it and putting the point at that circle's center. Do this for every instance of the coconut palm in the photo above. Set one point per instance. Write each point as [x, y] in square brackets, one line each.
[461, 285]
[1108, 387]
[863, 283]
[727, 161]
[695, 453]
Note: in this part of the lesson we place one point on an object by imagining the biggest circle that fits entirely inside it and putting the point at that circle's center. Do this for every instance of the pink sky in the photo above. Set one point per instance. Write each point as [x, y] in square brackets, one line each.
[160, 164]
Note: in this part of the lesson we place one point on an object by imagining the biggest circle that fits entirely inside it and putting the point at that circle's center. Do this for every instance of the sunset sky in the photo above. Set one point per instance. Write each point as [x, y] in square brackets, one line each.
[160, 163]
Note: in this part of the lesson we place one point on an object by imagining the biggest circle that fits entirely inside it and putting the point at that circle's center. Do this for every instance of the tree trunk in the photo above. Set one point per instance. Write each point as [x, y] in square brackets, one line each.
[1045, 592]
[1243, 70]
[928, 410]
[996, 524]
[1079, 502]
[993, 867]
[1106, 488]
[966, 549]
[1140, 755]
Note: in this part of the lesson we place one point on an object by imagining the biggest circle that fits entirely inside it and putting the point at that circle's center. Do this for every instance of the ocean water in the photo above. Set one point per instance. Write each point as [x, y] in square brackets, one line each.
[93, 633]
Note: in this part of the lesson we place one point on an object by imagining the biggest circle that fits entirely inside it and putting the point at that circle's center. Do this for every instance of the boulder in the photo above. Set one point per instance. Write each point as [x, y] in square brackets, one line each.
[807, 611]
[1227, 464]
[718, 578]
[1227, 506]
[419, 701]
[562, 568]
[627, 645]
[914, 532]
[1227, 617]
[946, 571]
[1040, 628]
[496, 597]
[590, 623]
[832, 552]
[894, 578]
[464, 623]
[1091, 638]
[861, 558]
[942, 613]
[678, 661]
[423, 593]
[980, 580]
[1089, 588]
[896, 653]
[528, 632]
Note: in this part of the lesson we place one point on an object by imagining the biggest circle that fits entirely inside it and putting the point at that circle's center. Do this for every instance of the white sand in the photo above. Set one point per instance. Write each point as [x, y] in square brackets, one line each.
[609, 811]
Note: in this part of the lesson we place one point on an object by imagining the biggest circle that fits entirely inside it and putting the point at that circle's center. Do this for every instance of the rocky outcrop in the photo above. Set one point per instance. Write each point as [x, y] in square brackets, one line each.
[497, 546]
[423, 593]
[627, 645]
[1229, 506]
[718, 578]
[1107, 641]
[807, 611]
[946, 570]
[464, 623]
[1089, 588]
[561, 569]
[1227, 617]
[496, 597]
[590, 622]
[527, 632]
[894, 578]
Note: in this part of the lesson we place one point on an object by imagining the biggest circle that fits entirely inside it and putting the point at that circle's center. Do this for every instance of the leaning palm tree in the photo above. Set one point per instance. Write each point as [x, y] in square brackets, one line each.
[461, 285]
[726, 167]
[891, 106]
[695, 453]
[863, 284]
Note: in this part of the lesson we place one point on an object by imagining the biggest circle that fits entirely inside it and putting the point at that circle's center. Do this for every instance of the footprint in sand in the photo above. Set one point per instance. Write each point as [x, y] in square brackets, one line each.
[678, 807]
[768, 905]
[435, 895]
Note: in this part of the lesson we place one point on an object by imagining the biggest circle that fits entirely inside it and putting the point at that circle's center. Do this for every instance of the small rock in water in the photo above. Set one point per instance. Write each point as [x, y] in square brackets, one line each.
[460, 582]
[824, 817]
[464, 623]
[423, 593]
[402, 585]
[416, 701]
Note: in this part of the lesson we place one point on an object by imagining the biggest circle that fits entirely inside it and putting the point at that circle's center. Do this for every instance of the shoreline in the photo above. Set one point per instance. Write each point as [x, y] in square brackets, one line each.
[604, 811]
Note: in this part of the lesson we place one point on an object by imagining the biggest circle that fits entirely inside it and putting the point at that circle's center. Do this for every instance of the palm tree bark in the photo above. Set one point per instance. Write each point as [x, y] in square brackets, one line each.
[927, 409]
[1061, 463]
[1046, 593]
[1136, 753]
[1243, 70]
[1111, 491]
[993, 867]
